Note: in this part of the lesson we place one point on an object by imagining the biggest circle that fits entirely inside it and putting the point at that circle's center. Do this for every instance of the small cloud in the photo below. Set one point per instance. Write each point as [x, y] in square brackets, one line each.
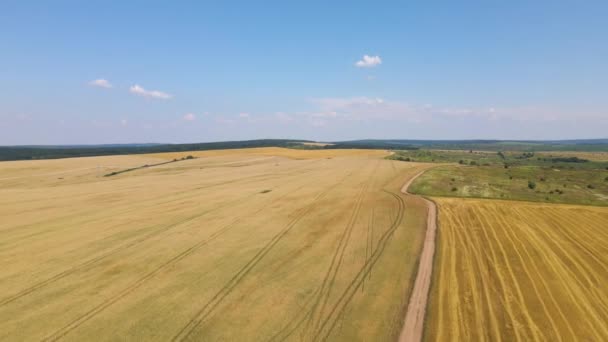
[369, 62]
[189, 117]
[124, 122]
[101, 83]
[244, 115]
[155, 94]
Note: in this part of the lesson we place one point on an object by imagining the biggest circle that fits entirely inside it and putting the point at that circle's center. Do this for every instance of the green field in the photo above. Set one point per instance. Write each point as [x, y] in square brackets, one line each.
[511, 175]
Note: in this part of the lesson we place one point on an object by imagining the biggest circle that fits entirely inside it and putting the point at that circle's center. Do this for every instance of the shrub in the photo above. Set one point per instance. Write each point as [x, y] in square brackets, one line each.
[454, 189]
[472, 162]
[606, 179]
[569, 160]
[461, 161]
[542, 179]
[531, 185]
[506, 166]
[189, 157]
[590, 186]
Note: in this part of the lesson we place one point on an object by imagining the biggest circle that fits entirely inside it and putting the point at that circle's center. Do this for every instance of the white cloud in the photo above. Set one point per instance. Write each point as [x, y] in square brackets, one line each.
[101, 83]
[244, 115]
[369, 61]
[155, 94]
[189, 117]
[124, 122]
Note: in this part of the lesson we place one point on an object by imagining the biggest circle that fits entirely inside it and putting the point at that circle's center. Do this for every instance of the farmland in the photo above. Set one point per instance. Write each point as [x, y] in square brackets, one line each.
[283, 244]
[555, 177]
[517, 271]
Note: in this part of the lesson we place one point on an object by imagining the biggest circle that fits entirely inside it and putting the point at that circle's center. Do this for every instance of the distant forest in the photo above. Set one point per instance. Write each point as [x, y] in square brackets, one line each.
[68, 151]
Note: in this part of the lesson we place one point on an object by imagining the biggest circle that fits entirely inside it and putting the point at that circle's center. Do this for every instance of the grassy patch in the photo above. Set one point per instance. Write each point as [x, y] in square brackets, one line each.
[511, 175]
[530, 183]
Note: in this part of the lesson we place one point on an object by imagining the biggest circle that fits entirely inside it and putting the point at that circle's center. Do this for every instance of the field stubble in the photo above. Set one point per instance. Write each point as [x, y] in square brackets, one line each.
[517, 271]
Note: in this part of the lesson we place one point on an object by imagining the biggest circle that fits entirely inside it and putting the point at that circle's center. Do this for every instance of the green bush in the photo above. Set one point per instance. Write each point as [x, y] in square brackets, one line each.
[532, 185]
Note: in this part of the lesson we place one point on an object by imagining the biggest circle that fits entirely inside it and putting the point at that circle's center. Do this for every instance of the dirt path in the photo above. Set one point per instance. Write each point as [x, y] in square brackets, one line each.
[414, 319]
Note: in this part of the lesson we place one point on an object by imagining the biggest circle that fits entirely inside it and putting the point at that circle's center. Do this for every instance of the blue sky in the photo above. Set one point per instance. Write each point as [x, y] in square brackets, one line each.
[75, 72]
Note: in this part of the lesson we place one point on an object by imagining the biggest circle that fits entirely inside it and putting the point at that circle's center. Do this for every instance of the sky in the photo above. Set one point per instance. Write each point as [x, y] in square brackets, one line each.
[104, 72]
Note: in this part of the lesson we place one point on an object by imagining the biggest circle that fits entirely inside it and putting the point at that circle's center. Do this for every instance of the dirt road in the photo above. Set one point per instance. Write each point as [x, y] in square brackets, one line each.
[414, 319]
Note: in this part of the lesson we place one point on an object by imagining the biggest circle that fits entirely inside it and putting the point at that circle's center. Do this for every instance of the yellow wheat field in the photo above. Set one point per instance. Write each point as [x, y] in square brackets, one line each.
[516, 271]
[275, 152]
[229, 246]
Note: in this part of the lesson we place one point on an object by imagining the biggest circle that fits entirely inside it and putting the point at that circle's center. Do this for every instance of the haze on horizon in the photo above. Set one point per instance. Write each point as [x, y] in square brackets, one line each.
[117, 72]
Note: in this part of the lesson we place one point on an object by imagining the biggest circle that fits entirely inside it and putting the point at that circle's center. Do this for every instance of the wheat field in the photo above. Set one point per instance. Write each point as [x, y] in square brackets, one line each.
[518, 271]
[240, 245]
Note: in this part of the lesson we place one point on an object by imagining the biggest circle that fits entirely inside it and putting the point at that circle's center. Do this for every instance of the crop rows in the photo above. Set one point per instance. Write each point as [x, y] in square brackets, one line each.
[516, 271]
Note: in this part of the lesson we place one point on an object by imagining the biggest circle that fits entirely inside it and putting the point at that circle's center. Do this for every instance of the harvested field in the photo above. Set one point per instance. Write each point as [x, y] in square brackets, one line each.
[275, 152]
[233, 246]
[517, 271]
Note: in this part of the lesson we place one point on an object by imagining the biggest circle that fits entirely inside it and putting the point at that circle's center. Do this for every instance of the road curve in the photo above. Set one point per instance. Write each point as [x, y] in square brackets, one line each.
[413, 325]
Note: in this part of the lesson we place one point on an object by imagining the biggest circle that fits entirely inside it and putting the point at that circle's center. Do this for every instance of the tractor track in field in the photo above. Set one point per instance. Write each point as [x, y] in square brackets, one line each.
[142, 204]
[338, 256]
[141, 281]
[336, 312]
[325, 329]
[86, 264]
[369, 243]
[413, 326]
[184, 197]
[218, 298]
